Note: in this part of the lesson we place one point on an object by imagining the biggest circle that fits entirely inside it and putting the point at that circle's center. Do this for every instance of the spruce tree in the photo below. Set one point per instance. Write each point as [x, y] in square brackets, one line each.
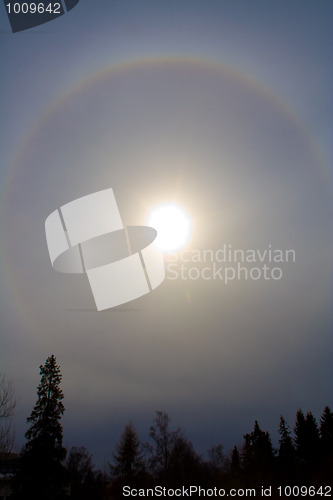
[258, 449]
[307, 438]
[326, 442]
[235, 467]
[312, 438]
[286, 458]
[42, 474]
[286, 448]
[258, 456]
[300, 435]
[326, 431]
[128, 461]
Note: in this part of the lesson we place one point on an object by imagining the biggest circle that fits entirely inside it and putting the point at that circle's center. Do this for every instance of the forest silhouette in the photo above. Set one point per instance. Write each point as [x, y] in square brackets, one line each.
[45, 470]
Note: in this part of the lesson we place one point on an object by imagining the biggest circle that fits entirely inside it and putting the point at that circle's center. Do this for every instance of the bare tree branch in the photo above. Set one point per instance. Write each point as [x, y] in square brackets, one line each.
[7, 398]
[7, 406]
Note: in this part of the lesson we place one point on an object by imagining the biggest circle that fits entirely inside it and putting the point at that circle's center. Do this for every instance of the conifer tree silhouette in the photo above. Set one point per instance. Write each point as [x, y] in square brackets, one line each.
[286, 457]
[128, 459]
[286, 448]
[42, 474]
[307, 439]
[326, 431]
[258, 456]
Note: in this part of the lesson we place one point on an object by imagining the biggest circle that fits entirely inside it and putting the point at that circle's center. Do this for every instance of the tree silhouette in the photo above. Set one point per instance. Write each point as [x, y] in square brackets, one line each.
[300, 434]
[42, 474]
[286, 458]
[326, 431]
[163, 441]
[84, 482]
[184, 464]
[216, 457]
[7, 398]
[235, 466]
[307, 438]
[258, 455]
[128, 459]
[286, 448]
[312, 438]
[326, 441]
[7, 407]
[258, 446]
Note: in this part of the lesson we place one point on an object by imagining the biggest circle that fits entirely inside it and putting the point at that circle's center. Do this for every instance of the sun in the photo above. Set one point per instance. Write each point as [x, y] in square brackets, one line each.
[173, 226]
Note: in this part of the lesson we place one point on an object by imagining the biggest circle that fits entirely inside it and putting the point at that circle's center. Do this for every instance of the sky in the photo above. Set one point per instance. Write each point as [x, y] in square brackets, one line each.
[224, 107]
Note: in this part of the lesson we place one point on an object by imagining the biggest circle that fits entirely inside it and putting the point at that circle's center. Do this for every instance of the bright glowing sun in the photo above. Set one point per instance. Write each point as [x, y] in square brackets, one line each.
[173, 226]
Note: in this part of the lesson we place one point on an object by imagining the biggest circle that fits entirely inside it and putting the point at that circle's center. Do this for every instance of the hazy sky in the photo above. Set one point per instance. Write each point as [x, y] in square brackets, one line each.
[224, 106]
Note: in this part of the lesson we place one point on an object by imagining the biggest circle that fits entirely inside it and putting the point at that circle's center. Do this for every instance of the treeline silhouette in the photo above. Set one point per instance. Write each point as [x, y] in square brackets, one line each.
[45, 470]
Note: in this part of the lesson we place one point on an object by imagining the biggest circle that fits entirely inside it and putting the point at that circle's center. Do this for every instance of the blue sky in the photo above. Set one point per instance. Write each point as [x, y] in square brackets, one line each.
[225, 106]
